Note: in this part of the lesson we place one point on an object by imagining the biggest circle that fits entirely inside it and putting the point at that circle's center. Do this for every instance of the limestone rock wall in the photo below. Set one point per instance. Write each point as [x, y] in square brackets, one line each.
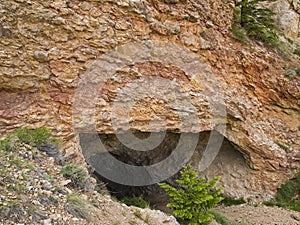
[287, 18]
[47, 47]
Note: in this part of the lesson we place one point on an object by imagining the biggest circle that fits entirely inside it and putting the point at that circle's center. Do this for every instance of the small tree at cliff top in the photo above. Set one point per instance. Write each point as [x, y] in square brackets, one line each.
[257, 21]
[195, 197]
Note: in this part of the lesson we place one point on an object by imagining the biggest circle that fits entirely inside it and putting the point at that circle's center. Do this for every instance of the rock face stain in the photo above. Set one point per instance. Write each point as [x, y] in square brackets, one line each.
[46, 47]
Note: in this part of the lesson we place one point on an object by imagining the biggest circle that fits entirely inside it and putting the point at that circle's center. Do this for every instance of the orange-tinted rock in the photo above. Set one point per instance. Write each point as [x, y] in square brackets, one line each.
[47, 48]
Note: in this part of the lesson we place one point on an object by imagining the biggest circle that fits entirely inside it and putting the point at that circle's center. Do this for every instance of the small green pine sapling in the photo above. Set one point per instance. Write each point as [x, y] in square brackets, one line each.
[195, 197]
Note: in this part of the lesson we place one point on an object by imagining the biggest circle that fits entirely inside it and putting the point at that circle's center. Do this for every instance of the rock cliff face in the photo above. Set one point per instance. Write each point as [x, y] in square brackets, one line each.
[287, 18]
[50, 48]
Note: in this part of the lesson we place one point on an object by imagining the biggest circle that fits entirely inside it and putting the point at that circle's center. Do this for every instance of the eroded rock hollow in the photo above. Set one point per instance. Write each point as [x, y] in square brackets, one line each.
[229, 161]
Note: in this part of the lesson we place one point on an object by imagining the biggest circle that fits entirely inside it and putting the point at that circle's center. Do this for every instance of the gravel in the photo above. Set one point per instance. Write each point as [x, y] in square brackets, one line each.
[259, 215]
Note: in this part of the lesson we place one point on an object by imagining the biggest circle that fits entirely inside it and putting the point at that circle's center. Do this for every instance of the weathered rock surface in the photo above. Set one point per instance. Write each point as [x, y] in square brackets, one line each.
[287, 18]
[48, 48]
[42, 195]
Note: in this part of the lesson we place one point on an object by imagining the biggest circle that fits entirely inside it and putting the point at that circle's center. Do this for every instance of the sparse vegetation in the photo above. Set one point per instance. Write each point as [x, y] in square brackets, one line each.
[136, 201]
[76, 174]
[290, 73]
[133, 222]
[78, 206]
[32, 189]
[220, 218]
[297, 51]
[254, 21]
[138, 214]
[228, 201]
[240, 34]
[282, 146]
[298, 70]
[147, 219]
[48, 178]
[195, 197]
[18, 175]
[290, 41]
[37, 136]
[288, 195]
[6, 144]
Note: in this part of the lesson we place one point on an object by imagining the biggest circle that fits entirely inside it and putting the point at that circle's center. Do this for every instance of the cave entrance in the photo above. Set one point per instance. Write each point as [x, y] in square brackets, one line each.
[229, 163]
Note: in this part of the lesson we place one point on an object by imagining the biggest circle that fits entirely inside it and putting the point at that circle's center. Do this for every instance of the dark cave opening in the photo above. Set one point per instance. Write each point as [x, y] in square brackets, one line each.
[229, 163]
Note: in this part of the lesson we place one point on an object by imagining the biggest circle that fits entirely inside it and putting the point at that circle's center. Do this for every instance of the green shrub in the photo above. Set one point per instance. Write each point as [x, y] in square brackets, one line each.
[76, 174]
[290, 73]
[37, 136]
[135, 201]
[297, 51]
[288, 195]
[228, 201]
[195, 197]
[289, 190]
